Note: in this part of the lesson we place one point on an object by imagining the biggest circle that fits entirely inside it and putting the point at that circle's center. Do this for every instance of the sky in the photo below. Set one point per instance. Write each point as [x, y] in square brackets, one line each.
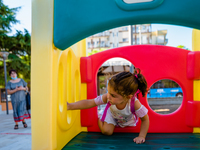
[23, 15]
[176, 35]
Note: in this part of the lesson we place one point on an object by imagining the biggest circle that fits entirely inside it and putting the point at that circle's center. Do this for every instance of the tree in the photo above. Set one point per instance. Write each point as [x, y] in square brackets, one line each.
[7, 18]
[94, 51]
[18, 45]
[183, 47]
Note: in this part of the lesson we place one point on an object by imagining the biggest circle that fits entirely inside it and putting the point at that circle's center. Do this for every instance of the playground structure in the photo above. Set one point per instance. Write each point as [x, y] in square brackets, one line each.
[61, 72]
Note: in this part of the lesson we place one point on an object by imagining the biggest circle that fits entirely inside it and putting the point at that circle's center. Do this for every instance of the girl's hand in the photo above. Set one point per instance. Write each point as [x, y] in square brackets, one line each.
[83, 104]
[68, 106]
[139, 140]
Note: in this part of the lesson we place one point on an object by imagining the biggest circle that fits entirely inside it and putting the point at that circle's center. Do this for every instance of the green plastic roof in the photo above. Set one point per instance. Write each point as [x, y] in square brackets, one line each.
[75, 20]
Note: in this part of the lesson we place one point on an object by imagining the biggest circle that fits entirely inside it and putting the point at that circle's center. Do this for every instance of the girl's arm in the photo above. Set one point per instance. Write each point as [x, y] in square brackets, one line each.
[84, 104]
[144, 126]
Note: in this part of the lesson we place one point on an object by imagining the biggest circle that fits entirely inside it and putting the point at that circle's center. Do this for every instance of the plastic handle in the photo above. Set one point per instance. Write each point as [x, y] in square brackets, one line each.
[138, 6]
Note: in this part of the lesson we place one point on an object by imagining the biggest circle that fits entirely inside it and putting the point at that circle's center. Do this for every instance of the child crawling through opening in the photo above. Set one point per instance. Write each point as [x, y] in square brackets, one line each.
[122, 89]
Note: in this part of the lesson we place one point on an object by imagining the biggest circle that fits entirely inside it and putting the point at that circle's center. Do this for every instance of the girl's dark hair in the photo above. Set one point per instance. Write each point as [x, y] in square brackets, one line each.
[126, 83]
[12, 70]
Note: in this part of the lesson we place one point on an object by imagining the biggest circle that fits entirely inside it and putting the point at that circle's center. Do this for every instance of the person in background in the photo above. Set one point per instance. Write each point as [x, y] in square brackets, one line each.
[17, 88]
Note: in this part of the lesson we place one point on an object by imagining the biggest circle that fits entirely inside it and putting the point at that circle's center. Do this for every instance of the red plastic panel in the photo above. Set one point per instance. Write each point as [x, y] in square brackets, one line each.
[156, 63]
[86, 69]
[193, 65]
[87, 115]
[86, 77]
[193, 111]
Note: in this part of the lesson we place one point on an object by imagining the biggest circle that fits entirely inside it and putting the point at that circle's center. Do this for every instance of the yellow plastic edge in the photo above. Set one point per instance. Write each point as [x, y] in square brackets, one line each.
[52, 125]
[196, 83]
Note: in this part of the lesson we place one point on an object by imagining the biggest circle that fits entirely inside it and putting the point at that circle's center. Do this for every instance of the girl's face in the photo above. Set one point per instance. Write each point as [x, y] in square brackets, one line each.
[113, 97]
[13, 74]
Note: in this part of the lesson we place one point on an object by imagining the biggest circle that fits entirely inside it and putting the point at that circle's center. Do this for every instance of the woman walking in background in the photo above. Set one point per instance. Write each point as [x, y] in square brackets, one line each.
[17, 88]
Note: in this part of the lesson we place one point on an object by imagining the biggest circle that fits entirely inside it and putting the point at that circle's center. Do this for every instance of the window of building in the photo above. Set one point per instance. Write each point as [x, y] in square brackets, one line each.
[3, 96]
[133, 28]
[102, 43]
[144, 28]
[125, 29]
[133, 42]
[125, 39]
[93, 43]
[107, 44]
[89, 44]
[137, 29]
[138, 40]
[97, 43]
[149, 28]
[160, 39]
[150, 40]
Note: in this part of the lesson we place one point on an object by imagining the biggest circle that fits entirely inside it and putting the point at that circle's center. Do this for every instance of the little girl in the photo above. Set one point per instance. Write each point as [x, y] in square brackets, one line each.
[122, 89]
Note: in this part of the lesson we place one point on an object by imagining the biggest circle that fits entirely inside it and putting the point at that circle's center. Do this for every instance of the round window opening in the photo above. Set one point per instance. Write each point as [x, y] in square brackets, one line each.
[165, 96]
[108, 69]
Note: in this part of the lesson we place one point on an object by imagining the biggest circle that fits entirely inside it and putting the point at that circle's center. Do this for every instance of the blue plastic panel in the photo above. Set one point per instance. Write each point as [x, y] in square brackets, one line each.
[75, 20]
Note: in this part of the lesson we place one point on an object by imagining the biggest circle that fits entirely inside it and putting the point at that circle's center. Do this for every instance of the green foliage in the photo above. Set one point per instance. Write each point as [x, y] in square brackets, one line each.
[94, 51]
[102, 82]
[183, 47]
[7, 18]
[18, 45]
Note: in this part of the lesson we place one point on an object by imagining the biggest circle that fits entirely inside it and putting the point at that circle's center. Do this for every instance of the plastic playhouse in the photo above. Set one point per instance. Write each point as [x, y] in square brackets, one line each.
[61, 72]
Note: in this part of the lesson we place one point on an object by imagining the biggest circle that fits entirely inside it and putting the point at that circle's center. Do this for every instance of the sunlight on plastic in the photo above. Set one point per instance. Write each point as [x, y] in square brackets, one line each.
[161, 110]
[136, 1]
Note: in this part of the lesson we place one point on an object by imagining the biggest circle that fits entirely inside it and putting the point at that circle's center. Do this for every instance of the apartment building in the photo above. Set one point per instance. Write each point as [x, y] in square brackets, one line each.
[126, 35]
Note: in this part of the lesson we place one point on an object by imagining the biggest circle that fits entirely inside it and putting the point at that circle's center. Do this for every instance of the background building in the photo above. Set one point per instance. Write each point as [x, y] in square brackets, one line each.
[126, 35]
[119, 37]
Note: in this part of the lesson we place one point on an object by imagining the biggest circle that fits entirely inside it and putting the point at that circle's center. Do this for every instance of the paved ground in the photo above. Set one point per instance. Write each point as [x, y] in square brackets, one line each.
[11, 139]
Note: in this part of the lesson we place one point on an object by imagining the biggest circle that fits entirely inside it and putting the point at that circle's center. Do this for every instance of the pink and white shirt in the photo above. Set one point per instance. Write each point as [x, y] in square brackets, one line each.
[122, 117]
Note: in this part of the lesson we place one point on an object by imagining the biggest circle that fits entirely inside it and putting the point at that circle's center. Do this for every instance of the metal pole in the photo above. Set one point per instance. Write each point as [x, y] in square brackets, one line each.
[5, 75]
[140, 35]
[131, 35]
[132, 67]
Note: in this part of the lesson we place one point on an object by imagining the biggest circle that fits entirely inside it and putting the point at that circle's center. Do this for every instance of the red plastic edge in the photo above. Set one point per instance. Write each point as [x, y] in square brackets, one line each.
[193, 65]
[192, 116]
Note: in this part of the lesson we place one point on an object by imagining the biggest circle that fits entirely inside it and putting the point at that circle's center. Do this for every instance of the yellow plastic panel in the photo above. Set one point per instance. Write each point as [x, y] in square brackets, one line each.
[55, 79]
[196, 86]
[65, 91]
[41, 75]
[69, 89]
